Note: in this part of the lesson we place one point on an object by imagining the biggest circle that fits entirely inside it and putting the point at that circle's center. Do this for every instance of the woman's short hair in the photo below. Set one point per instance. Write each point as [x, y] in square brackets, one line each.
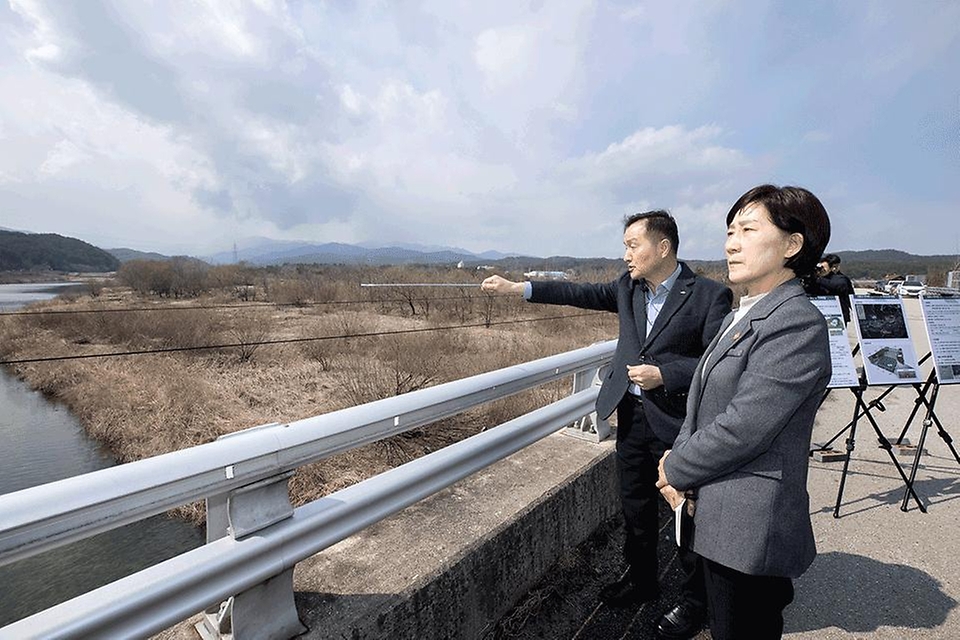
[660, 224]
[794, 210]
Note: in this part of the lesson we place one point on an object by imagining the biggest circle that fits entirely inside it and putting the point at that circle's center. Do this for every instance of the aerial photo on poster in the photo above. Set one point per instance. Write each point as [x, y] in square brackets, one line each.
[888, 353]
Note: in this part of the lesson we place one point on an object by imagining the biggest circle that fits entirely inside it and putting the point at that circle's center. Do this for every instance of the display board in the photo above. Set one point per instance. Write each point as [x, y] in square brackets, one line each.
[841, 358]
[885, 345]
[941, 317]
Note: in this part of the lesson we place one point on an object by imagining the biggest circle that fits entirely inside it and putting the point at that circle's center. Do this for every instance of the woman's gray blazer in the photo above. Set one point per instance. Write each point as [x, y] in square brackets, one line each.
[744, 445]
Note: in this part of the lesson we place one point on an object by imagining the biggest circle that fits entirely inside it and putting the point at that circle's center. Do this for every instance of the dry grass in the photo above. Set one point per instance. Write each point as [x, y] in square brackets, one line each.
[147, 405]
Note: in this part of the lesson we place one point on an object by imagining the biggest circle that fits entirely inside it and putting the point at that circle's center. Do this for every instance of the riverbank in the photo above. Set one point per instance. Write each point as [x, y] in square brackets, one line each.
[143, 405]
[30, 277]
[26, 277]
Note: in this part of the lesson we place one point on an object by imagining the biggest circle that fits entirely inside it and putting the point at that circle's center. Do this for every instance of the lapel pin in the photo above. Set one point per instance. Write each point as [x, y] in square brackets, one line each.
[736, 336]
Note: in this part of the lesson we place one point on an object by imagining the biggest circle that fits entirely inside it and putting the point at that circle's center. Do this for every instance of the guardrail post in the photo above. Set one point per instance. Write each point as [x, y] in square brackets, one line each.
[267, 610]
[590, 427]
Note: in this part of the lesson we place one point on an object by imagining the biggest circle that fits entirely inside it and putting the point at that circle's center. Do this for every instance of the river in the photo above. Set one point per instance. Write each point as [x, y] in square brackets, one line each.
[43, 442]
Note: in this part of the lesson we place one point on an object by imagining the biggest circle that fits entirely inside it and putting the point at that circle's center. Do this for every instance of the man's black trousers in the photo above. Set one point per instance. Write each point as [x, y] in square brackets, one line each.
[638, 453]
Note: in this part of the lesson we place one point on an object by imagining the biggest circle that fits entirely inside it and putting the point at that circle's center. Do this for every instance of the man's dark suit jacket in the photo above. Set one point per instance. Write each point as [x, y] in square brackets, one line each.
[837, 284]
[686, 324]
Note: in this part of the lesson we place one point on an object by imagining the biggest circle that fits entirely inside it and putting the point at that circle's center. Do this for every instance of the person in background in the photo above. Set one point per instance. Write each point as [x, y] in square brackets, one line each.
[743, 449]
[832, 282]
[668, 315]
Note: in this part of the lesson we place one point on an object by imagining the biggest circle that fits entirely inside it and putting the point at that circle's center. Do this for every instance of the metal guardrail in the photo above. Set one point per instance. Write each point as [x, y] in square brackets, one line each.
[243, 477]
[50, 515]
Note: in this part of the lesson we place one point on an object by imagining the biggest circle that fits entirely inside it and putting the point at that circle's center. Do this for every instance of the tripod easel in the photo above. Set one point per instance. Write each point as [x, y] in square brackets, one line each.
[876, 403]
[929, 418]
[862, 409]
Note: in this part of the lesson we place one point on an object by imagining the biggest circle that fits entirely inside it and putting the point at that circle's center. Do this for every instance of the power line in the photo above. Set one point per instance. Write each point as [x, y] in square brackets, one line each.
[252, 305]
[114, 354]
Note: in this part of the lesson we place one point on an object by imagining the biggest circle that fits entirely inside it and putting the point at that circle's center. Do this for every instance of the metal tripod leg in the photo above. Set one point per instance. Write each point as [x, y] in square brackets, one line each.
[862, 409]
[850, 443]
[921, 394]
[876, 403]
[885, 444]
[930, 418]
[932, 414]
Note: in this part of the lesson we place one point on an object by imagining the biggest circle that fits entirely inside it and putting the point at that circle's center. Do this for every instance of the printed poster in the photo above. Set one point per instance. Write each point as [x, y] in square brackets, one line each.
[885, 344]
[941, 316]
[841, 358]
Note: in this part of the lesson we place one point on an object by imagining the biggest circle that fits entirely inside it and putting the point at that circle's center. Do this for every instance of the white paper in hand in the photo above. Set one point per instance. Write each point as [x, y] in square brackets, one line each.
[677, 518]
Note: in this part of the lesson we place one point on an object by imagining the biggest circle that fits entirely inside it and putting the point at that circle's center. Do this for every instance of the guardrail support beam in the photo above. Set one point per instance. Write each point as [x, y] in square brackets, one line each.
[266, 611]
[590, 427]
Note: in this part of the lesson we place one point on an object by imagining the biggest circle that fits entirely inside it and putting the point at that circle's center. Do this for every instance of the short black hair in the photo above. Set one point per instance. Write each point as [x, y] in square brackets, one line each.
[660, 224]
[794, 210]
[831, 259]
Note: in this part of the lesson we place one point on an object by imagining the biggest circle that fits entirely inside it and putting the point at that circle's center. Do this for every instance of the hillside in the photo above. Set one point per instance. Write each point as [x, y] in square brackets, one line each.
[881, 263]
[126, 255]
[49, 251]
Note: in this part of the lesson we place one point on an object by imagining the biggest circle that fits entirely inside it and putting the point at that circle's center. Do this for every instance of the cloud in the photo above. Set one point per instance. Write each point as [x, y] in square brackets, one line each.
[63, 155]
[659, 154]
[689, 172]
[529, 127]
[504, 55]
[288, 128]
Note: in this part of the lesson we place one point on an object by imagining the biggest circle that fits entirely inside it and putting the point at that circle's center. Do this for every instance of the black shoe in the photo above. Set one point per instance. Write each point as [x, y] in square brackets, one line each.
[682, 622]
[624, 593]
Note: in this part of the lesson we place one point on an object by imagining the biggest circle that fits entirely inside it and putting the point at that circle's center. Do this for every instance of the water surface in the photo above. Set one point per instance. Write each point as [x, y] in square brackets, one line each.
[40, 442]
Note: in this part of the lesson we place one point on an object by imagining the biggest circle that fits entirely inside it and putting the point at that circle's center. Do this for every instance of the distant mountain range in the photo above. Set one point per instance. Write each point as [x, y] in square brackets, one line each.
[33, 251]
[872, 263]
[264, 251]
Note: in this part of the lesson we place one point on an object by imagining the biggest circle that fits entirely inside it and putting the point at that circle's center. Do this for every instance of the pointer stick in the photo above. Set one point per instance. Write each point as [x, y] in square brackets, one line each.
[420, 284]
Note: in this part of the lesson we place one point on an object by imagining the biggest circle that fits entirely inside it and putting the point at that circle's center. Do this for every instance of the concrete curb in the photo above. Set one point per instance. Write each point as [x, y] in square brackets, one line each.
[500, 531]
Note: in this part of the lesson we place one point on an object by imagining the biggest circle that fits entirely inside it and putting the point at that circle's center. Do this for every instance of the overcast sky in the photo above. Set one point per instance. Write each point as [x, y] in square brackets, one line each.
[531, 127]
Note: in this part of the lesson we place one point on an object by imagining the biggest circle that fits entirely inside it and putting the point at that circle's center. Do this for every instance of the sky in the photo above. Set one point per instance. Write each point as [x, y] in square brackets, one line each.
[521, 127]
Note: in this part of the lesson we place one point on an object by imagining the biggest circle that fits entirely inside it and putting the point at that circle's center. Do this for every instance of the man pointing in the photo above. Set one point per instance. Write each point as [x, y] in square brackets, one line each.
[668, 316]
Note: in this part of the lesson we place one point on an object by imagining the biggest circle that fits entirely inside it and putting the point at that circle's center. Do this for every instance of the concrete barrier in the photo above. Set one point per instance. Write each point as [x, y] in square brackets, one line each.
[451, 565]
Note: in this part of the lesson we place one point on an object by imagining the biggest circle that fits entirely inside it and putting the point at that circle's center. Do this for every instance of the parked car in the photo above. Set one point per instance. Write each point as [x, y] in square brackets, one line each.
[911, 288]
[893, 285]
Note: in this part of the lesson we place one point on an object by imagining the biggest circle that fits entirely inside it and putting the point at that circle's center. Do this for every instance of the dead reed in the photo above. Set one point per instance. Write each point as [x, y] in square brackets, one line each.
[141, 406]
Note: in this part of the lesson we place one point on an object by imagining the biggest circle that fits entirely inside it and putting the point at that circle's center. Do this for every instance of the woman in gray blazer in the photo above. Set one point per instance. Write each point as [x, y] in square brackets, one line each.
[743, 448]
